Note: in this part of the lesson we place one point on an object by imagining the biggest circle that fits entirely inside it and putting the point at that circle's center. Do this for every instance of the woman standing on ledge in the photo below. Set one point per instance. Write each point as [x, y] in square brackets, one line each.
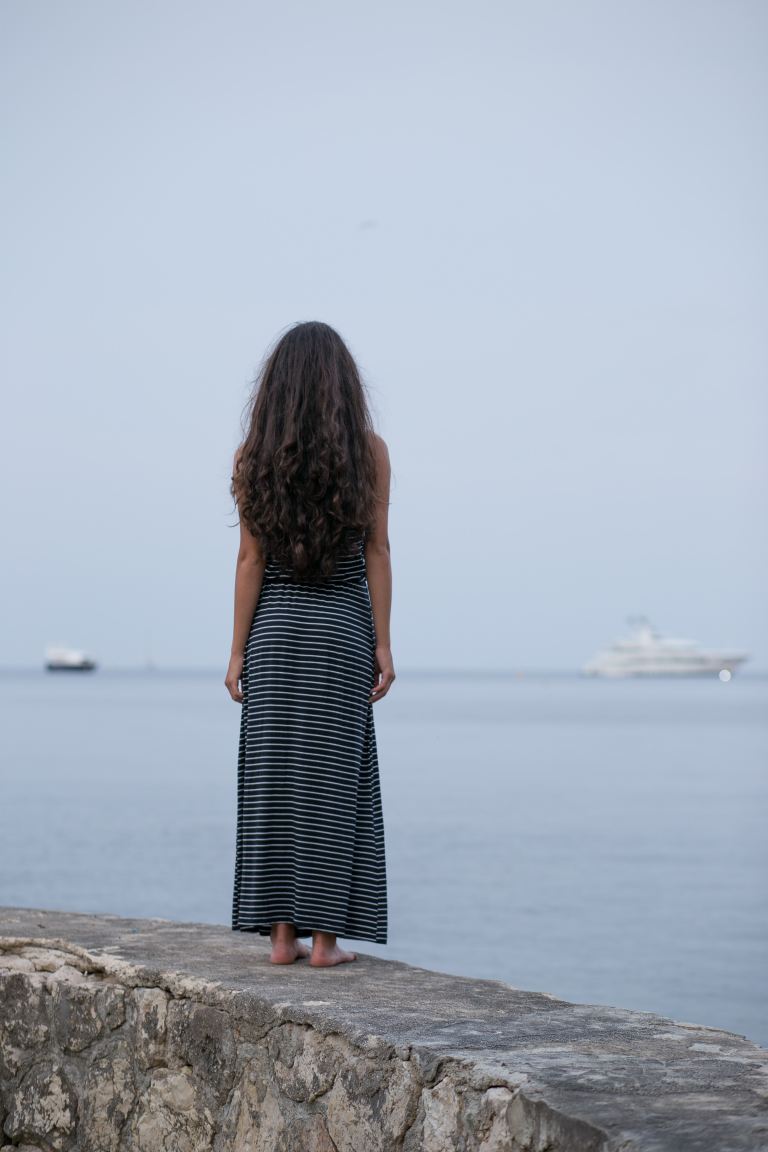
[310, 653]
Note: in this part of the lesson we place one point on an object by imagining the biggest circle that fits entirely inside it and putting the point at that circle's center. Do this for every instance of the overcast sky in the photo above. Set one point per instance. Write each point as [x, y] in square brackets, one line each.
[541, 228]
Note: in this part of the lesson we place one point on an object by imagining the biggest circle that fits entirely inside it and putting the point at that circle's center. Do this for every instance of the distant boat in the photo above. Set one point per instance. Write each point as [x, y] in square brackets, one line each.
[645, 652]
[68, 660]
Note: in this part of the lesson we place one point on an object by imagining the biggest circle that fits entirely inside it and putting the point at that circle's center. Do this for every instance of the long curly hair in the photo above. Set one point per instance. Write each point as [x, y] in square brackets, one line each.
[305, 472]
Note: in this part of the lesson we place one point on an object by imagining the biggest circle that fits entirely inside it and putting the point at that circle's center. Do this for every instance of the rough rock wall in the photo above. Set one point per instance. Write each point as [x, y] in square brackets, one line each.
[94, 1060]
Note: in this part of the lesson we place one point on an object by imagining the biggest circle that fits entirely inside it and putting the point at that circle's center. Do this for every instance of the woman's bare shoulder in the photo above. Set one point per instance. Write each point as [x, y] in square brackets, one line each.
[380, 448]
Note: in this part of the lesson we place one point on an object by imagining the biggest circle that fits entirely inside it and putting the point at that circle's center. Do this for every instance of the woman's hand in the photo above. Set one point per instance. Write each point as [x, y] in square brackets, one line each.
[385, 674]
[234, 677]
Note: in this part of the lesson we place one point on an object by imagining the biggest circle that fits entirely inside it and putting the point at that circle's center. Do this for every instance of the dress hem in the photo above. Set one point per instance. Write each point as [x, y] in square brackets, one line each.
[263, 929]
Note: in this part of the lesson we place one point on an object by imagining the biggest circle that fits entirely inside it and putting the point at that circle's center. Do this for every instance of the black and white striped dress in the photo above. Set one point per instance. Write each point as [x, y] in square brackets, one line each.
[310, 832]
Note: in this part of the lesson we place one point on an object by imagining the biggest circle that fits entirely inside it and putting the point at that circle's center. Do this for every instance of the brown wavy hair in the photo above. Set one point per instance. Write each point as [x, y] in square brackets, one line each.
[305, 475]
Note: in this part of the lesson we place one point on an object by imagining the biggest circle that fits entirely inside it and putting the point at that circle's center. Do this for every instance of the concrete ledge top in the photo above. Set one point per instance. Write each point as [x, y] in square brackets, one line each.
[635, 1079]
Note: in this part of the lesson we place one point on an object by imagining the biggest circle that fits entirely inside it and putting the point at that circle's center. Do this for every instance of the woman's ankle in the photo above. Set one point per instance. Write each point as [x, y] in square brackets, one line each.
[282, 932]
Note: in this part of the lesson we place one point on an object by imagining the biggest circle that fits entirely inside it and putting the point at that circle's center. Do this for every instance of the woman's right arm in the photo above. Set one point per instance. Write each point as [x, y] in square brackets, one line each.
[249, 575]
[379, 574]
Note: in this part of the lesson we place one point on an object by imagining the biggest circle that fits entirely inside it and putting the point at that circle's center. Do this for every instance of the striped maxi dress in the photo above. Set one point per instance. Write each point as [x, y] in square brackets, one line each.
[310, 833]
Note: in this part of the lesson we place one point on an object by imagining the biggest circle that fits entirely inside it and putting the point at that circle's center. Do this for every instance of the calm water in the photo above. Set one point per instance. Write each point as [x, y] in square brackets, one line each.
[605, 842]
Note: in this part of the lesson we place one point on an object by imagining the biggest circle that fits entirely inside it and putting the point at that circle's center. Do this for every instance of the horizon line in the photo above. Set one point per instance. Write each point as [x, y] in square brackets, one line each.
[422, 671]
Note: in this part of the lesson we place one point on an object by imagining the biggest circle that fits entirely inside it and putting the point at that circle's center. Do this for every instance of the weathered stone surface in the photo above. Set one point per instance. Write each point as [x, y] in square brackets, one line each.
[76, 1018]
[371, 1103]
[203, 1038]
[20, 964]
[262, 1120]
[172, 1115]
[65, 974]
[151, 1016]
[108, 1094]
[439, 1119]
[152, 1036]
[304, 1063]
[47, 959]
[24, 1025]
[43, 1108]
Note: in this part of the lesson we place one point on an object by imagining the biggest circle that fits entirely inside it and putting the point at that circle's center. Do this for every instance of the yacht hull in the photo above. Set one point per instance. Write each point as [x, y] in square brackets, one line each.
[712, 668]
[87, 666]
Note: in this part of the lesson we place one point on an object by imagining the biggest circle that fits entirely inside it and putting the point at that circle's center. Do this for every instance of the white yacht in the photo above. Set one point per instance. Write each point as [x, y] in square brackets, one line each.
[645, 652]
[59, 659]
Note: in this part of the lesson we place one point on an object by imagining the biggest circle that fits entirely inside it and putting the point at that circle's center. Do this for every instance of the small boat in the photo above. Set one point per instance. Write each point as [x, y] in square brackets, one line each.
[59, 659]
[646, 652]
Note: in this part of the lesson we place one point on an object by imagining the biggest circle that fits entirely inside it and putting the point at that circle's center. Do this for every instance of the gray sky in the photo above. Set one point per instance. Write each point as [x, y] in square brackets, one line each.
[541, 228]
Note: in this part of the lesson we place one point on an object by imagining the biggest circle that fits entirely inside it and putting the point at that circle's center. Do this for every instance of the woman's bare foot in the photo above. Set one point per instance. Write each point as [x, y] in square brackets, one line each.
[326, 952]
[286, 947]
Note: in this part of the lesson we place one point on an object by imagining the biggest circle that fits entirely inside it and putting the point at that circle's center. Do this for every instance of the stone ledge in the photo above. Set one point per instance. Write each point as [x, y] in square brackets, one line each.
[121, 1034]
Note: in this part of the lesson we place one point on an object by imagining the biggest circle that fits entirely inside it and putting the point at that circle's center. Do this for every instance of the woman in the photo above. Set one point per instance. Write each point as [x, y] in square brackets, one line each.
[310, 653]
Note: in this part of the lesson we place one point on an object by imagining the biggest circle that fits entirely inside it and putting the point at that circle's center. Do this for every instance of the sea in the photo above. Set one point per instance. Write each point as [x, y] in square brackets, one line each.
[602, 841]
